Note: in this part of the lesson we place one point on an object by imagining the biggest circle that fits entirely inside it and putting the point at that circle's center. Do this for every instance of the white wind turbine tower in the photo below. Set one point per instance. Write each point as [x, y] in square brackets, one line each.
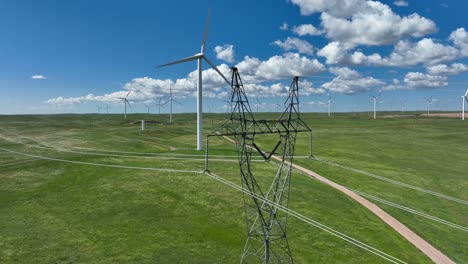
[257, 104]
[228, 102]
[329, 104]
[199, 57]
[376, 99]
[429, 104]
[277, 105]
[159, 104]
[170, 101]
[403, 105]
[126, 103]
[148, 108]
[228, 106]
[464, 98]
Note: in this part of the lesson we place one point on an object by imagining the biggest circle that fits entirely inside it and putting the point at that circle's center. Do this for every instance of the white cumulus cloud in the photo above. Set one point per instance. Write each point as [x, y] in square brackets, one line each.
[443, 69]
[377, 26]
[284, 26]
[306, 29]
[288, 65]
[418, 80]
[225, 53]
[401, 3]
[361, 22]
[338, 8]
[254, 72]
[460, 39]
[405, 53]
[349, 81]
[38, 77]
[295, 44]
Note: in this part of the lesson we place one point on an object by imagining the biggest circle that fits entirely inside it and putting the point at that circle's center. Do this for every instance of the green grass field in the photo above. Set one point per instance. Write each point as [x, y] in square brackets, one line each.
[79, 206]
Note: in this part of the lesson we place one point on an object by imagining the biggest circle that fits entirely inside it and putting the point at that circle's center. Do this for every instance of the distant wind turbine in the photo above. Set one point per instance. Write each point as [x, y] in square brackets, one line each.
[107, 108]
[464, 98]
[159, 104]
[98, 108]
[403, 105]
[429, 104]
[257, 104]
[200, 57]
[329, 103]
[376, 99]
[228, 105]
[170, 101]
[277, 105]
[147, 107]
[125, 100]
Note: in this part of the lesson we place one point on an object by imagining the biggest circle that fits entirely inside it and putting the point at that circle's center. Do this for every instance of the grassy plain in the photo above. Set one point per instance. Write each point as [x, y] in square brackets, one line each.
[83, 211]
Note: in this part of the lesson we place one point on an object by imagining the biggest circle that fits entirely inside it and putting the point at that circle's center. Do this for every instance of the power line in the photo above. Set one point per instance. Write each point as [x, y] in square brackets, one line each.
[393, 181]
[310, 221]
[100, 164]
[278, 206]
[410, 210]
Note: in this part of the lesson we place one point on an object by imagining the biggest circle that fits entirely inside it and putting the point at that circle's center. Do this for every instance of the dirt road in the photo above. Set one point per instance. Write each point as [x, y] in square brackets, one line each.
[433, 253]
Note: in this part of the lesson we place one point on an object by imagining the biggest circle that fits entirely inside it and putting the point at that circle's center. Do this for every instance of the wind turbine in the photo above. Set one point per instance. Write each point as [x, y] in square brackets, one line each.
[257, 104]
[277, 105]
[126, 103]
[200, 57]
[170, 100]
[429, 104]
[376, 99]
[403, 105]
[229, 103]
[98, 108]
[159, 105]
[356, 109]
[147, 107]
[107, 108]
[464, 98]
[329, 103]
[228, 106]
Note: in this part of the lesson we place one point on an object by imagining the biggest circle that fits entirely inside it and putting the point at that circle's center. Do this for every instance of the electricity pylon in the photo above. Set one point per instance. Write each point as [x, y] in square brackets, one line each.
[266, 225]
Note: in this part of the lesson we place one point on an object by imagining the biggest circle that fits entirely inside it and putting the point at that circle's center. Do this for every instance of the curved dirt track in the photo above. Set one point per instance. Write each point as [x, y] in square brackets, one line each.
[433, 253]
[428, 250]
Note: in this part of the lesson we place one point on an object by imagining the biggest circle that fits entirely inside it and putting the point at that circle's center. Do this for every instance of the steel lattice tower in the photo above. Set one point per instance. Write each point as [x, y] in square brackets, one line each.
[266, 225]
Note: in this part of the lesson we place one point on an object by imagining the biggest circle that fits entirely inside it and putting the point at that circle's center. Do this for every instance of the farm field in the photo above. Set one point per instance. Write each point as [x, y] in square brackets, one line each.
[95, 189]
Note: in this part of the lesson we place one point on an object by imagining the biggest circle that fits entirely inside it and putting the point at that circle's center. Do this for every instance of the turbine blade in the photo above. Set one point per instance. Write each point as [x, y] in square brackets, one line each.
[176, 101]
[217, 70]
[466, 94]
[205, 34]
[128, 93]
[129, 105]
[191, 58]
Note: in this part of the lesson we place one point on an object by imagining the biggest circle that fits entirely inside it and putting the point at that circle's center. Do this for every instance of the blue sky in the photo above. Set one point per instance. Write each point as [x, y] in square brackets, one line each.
[71, 56]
